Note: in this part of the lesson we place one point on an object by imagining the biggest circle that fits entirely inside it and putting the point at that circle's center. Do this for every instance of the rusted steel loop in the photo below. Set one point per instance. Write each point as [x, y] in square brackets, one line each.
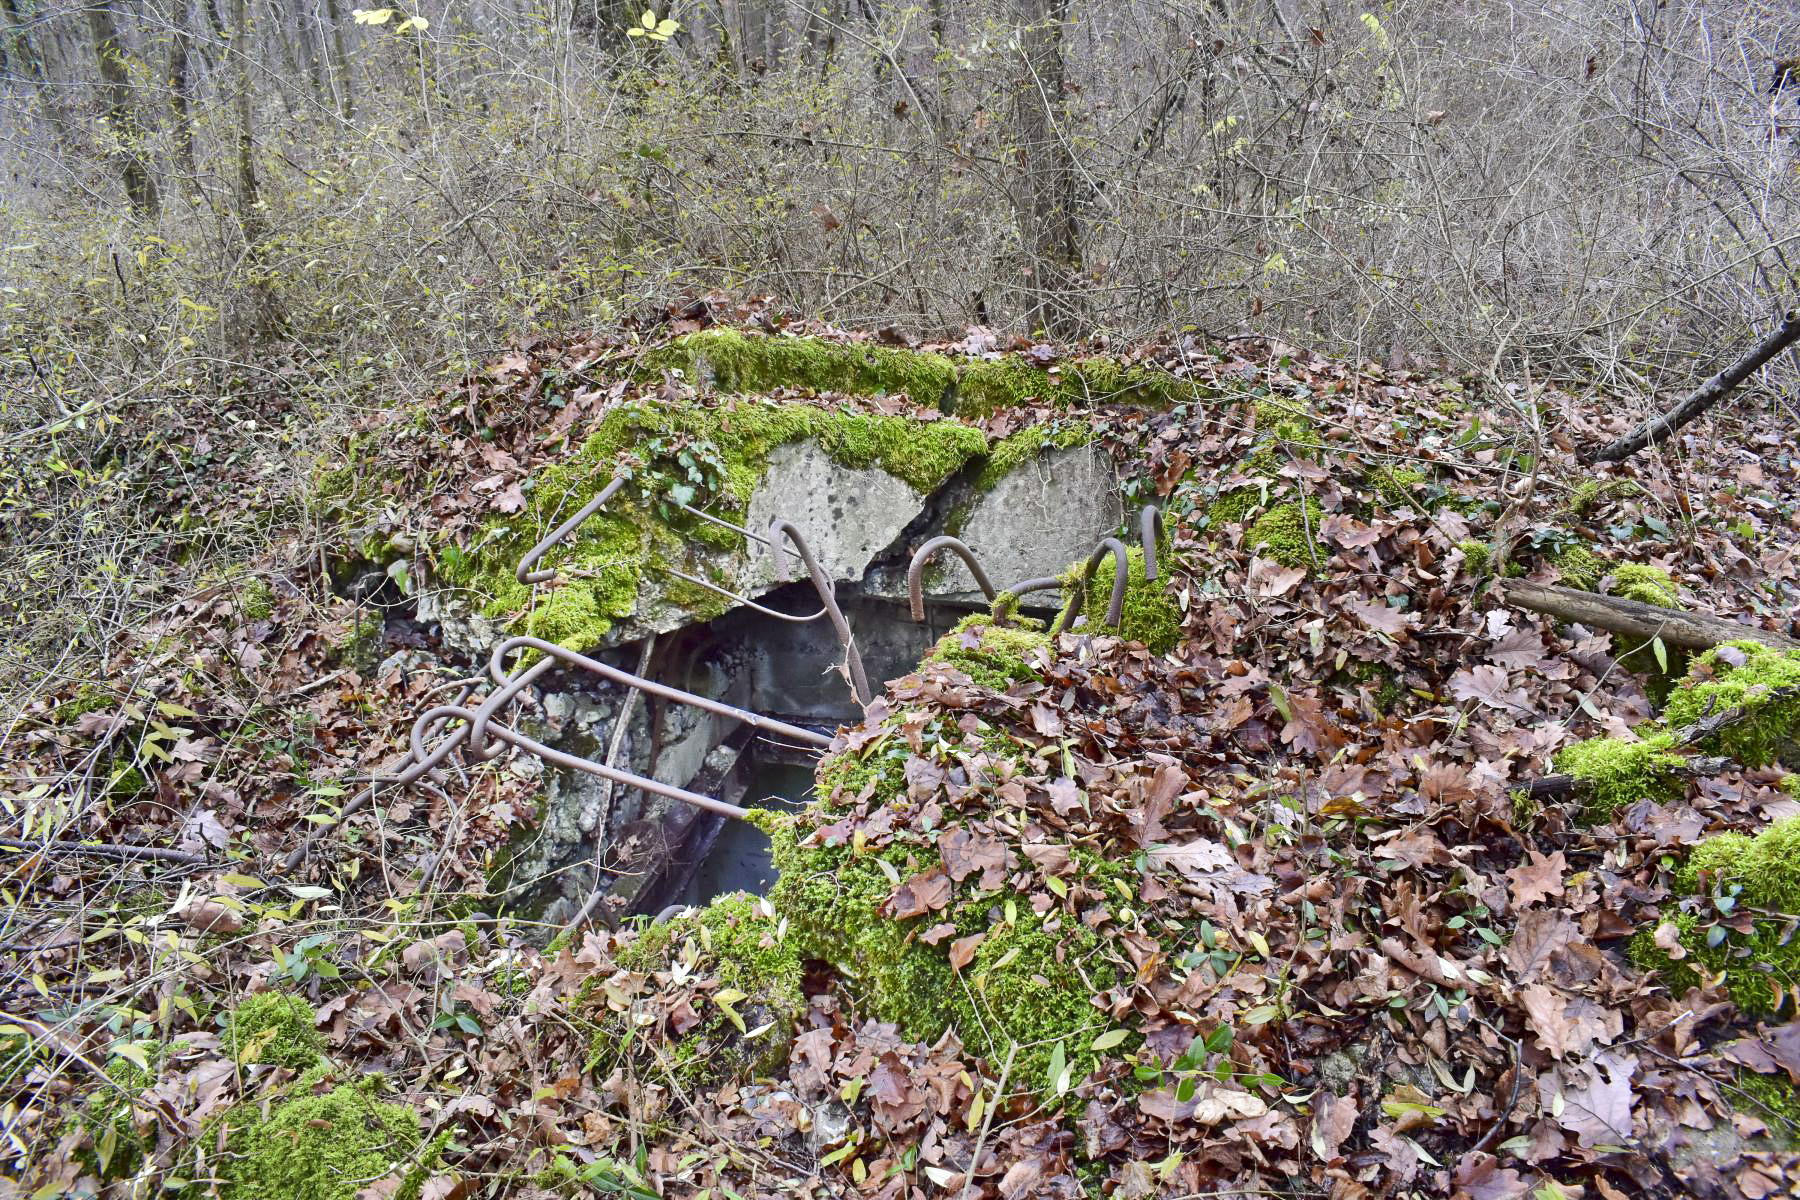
[915, 571]
[509, 687]
[1041, 584]
[1121, 579]
[780, 530]
[731, 525]
[1150, 528]
[525, 573]
[764, 609]
[573, 762]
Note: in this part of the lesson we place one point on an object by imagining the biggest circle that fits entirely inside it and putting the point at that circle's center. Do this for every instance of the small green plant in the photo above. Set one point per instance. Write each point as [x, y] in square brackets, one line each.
[653, 30]
[311, 955]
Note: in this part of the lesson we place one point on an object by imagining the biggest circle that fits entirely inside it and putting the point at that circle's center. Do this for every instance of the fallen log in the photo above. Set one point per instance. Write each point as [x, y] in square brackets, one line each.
[1662, 427]
[1689, 630]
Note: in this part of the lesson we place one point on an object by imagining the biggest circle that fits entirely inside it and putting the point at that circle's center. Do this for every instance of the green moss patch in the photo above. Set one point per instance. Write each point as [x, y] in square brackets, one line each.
[992, 655]
[275, 1028]
[316, 1146]
[1613, 772]
[744, 971]
[1726, 878]
[1646, 585]
[1579, 567]
[741, 362]
[1149, 615]
[1016, 449]
[1288, 533]
[734, 361]
[1750, 676]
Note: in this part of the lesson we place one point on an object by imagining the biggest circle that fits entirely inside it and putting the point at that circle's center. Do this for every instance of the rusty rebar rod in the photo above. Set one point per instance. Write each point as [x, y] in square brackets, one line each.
[915, 571]
[859, 682]
[1078, 594]
[573, 762]
[1150, 530]
[524, 573]
[509, 686]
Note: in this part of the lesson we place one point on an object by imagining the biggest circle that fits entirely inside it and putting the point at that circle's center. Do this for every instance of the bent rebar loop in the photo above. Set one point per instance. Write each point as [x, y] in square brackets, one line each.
[915, 571]
[524, 573]
[780, 530]
[511, 686]
[765, 610]
[1150, 529]
[573, 762]
[478, 724]
[1078, 594]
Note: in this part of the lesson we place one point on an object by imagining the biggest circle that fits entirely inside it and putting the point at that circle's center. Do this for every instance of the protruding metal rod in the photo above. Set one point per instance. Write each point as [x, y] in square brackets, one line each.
[1041, 584]
[915, 571]
[731, 525]
[764, 609]
[525, 573]
[780, 530]
[573, 762]
[510, 687]
[1121, 580]
[1150, 530]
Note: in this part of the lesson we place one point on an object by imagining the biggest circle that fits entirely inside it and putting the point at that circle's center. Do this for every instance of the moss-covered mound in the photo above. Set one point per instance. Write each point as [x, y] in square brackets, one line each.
[991, 654]
[1149, 614]
[1613, 772]
[1735, 921]
[318, 1144]
[276, 1028]
[1763, 682]
[726, 984]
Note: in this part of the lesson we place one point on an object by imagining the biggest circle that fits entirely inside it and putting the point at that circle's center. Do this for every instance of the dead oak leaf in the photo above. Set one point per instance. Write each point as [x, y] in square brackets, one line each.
[1537, 879]
[1486, 684]
[1391, 621]
[1271, 579]
[1537, 937]
[925, 892]
[962, 950]
[965, 853]
[1333, 1119]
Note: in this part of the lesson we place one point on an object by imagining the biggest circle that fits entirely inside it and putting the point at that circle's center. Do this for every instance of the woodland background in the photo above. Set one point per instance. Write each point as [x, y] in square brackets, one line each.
[231, 226]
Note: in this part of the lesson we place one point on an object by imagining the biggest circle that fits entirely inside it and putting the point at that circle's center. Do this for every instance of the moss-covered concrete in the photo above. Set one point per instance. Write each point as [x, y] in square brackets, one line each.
[1016, 449]
[737, 361]
[719, 455]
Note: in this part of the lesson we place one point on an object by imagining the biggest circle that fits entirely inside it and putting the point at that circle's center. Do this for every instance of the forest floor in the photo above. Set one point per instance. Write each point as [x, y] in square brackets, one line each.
[1328, 873]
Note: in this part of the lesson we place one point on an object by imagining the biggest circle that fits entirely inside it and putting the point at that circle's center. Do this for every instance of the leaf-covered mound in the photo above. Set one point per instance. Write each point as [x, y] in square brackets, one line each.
[1270, 905]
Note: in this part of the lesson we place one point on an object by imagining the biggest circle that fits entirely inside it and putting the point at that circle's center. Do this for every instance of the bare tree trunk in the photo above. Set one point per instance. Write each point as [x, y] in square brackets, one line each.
[140, 185]
[340, 61]
[251, 221]
[1661, 428]
[181, 95]
[1048, 224]
[20, 39]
